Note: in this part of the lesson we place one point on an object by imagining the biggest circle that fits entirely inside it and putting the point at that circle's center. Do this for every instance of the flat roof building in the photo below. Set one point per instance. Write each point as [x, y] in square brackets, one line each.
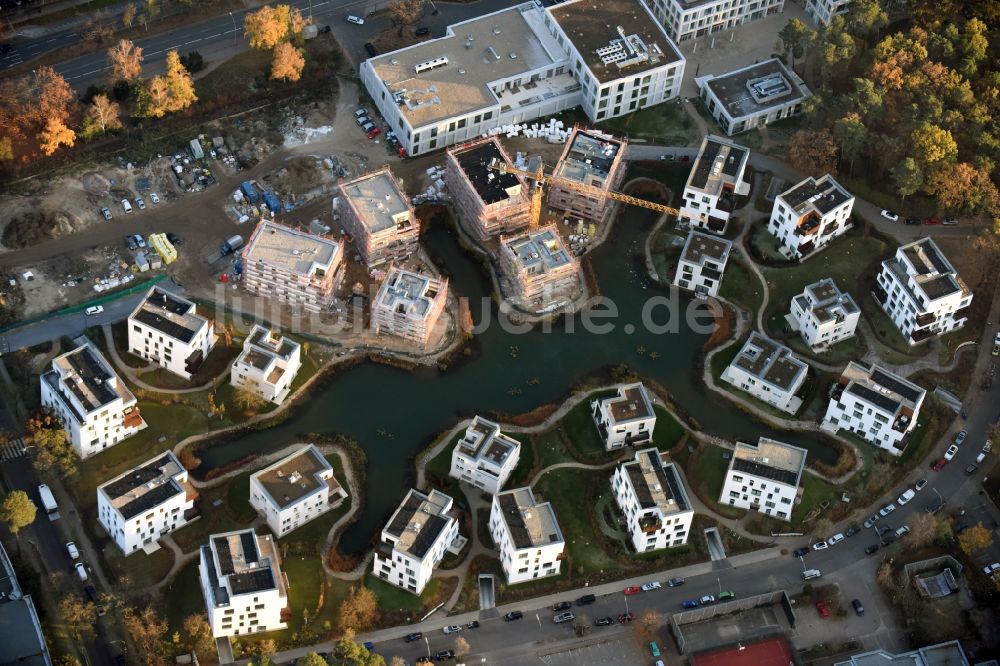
[752, 96]
[296, 489]
[489, 202]
[23, 641]
[527, 534]
[949, 653]
[484, 457]
[167, 330]
[267, 365]
[593, 159]
[764, 477]
[690, 19]
[626, 418]
[769, 372]
[806, 217]
[379, 217]
[716, 179]
[409, 305]
[649, 492]
[702, 263]
[824, 315]
[538, 266]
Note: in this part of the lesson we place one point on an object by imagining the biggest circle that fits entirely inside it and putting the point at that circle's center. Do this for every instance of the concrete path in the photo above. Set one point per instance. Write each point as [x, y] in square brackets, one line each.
[132, 374]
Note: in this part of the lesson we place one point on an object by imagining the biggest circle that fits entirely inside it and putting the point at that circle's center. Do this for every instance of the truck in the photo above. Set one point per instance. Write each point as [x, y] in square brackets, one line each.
[250, 191]
[272, 202]
[48, 500]
[196, 149]
[234, 243]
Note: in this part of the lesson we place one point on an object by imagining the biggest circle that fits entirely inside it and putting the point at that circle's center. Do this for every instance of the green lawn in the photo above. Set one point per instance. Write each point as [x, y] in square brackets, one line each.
[814, 491]
[578, 424]
[569, 491]
[183, 597]
[741, 286]
[668, 431]
[141, 569]
[710, 471]
[667, 124]
[392, 598]
[722, 359]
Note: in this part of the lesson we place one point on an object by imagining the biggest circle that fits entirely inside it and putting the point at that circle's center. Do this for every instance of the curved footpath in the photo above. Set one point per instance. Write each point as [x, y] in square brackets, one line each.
[132, 374]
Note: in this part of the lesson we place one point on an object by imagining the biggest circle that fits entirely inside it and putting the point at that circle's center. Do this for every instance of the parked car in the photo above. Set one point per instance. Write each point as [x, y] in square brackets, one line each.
[473, 625]
[415, 636]
[444, 654]
[139, 241]
[934, 505]
[650, 586]
[140, 203]
[889, 215]
[561, 606]
[421, 31]
[675, 582]
[368, 126]
[920, 485]
[801, 552]
[654, 649]
[939, 464]
[130, 243]
[991, 569]
[726, 595]
[913, 220]
[106, 212]
[690, 603]
[172, 237]
[126, 206]
[906, 496]
[94, 310]
[950, 453]
[604, 621]
[73, 552]
[882, 529]
[632, 589]
[949, 221]
[822, 609]
[859, 610]
[905, 529]
[81, 571]
[809, 574]
[960, 437]
[586, 600]
[872, 549]
[707, 599]
[512, 615]
[325, 30]
[374, 133]
[362, 120]
[871, 521]
[932, 220]
[154, 198]
[356, 20]
[971, 468]
[563, 617]
[625, 618]
[888, 538]
[452, 629]
[835, 539]
[371, 50]
[887, 509]
[820, 545]
[852, 530]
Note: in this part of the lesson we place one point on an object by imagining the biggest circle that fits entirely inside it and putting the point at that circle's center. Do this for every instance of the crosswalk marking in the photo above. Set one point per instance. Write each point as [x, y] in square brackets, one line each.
[12, 449]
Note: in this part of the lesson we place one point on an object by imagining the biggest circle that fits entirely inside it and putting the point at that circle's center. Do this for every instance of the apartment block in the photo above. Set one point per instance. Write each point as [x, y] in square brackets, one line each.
[823, 315]
[244, 588]
[292, 266]
[143, 504]
[808, 216]
[409, 305]
[876, 405]
[649, 492]
[625, 419]
[752, 96]
[521, 63]
[267, 365]
[690, 19]
[702, 264]
[379, 217]
[96, 408]
[414, 542]
[296, 489]
[823, 11]
[764, 477]
[23, 640]
[769, 372]
[167, 330]
[922, 293]
[716, 179]
[488, 202]
[484, 457]
[591, 159]
[527, 535]
[537, 265]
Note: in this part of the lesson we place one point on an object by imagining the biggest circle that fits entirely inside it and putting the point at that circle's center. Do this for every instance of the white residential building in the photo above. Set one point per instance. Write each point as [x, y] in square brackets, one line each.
[921, 292]
[950, 653]
[752, 96]
[702, 263]
[267, 365]
[769, 372]
[138, 507]
[484, 457]
[409, 305]
[527, 535]
[414, 542]
[244, 588]
[167, 330]
[379, 217]
[690, 19]
[823, 11]
[96, 408]
[291, 492]
[808, 216]
[876, 405]
[650, 493]
[625, 419]
[716, 179]
[764, 477]
[521, 63]
[824, 315]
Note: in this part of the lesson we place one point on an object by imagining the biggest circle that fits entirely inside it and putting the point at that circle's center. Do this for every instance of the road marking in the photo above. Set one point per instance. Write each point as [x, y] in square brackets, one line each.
[153, 53]
[193, 41]
[219, 35]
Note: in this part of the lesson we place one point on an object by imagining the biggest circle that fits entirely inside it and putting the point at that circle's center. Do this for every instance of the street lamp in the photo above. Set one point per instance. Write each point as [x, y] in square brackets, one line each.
[427, 644]
[235, 29]
[626, 603]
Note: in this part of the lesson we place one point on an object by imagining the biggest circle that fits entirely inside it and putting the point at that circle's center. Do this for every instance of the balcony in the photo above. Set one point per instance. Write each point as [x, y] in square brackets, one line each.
[926, 319]
[650, 524]
[632, 440]
[716, 224]
[193, 362]
[808, 225]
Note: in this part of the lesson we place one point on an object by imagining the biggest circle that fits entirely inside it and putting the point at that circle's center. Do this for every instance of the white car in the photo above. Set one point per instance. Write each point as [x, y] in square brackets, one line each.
[140, 203]
[452, 629]
[950, 453]
[356, 20]
[887, 509]
[81, 571]
[820, 545]
[906, 496]
[654, 585]
[991, 569]
[835, 539]
[126, 206]
[94, 310]
[905, 529]
[154, 198]
[73, 552]
[889, 215]
[920, 484]
[707, 599]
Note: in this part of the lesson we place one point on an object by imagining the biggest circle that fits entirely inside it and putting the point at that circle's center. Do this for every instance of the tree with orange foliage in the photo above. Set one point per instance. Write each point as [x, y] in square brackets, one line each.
[288, 63]
[814, 152]
[56, 99]
[54, 135]
[125, 59]
[269, 26]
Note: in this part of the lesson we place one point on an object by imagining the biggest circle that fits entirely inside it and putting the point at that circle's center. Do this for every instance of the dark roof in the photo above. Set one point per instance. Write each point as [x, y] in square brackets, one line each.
[939, 286]
[218, 592]
[148, 500]
[731, 166]
[705, 162]
[910, 393]
[249, 542]
[765, 471]
[825, 194]
[734, 93]
[429, 532]
[137, 477]
[225, 556]
[431, 527]
[403, 515]
[874, 397]
[92, 373]
[667, 478]
[252, 581]
[515, 521]
[491, 185]
[163, 324]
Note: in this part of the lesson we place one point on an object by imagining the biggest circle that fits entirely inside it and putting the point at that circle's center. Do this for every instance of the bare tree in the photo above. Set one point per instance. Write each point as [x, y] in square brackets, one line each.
[125, 59]
[405, 12]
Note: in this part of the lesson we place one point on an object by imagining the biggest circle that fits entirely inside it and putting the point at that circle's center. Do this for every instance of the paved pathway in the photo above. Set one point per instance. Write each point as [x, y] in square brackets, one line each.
[132, 374]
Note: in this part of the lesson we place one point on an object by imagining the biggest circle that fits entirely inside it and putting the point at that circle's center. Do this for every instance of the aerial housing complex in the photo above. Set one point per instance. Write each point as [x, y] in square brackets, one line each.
[716, 179]
[379, 217]
[764, 477]
[690, 19]
[296, 489]
[409, 305]
[752, 96]
[167, 330]
[595, 160]
[808, 216]
[537, 265]
[489, 202]
[702, 263]
[527, 534]
[769, 372]
[521, 63]
[649, 492]
[267, 365]
[484, 457]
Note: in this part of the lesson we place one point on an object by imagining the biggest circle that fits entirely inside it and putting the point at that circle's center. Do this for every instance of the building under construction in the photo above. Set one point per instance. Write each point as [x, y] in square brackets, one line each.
[379, 217]
[489, 201]
[538, 266]
[594, 159]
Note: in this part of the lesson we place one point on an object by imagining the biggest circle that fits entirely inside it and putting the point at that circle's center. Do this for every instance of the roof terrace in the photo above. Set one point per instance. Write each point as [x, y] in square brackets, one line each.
[296, 476]
[378, 201]
[531, 524]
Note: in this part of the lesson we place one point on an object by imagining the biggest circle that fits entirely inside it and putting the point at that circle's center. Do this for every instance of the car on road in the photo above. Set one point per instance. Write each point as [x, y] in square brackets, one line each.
[126, 206]
[949, 221]
[991, 569]
[690, 603]
[604, 621]
[971, 468]
[905, 529]
[889, 215]
[859, 610]
[882, 529]
[913, 221]
[939, 464]
[871, 521]
[154, 198]
[81, 571]
[415, 636]
[140, 203]
[512, 615]
[444, 654]
[563, 617]
[801, 552]
[561, 606]
[452, 629]
[356, 20]
[932, 221]
[73, 552]
[650, 586]
[675, 582]
[822, 609]
[907, 495]
[820, 545]
[632, 589]
[106, 212]
[473, 625]
[852, 530]
[920, 485]
[94, 310]
[950, 453]
[421, 31]
[371, 50]
[625, 618]
[726, 595]
[707, 599]
[960, 437]
[887, 509]
[835, 539]
[586, 600]
[872, 549]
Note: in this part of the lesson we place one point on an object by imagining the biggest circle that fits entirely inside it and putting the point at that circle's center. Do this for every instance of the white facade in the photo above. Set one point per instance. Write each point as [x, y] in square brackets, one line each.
[96, 408]
[921, 292]
[752, 96]
[527, 535]
[267, 365]
[625, 419]
[823, 11]
[808, 216]
[764, 477]
[876, 405]
[167, 330]
[702, 264]
[650, 493]
[769, 372]
[415, 541]
[823, 315]
[690, 19]
[294, 490]
[716, 179]
[138, 507]
[244, 588]
[484, 457]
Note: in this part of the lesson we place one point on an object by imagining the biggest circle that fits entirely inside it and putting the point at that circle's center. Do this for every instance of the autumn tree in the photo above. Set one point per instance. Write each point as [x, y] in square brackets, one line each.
[174, 91]
[814, 152]
[148, 631]
[128, 15]
[975, 538]
[964, 187]
[907, 177]
[405, 12]
[79, 615]
[836, 49]
[199, 633]
[53, 450]
[923, 530]
[17, 512]
[102, 116]
[934, 146]
[359, 611]
[310, 659]
[125, 59]
[851, 136]
[865, 17]
[884, 575]
[795, 37]
[462, 647]
[288, 63]
[248, 400]
[397, 661]
[347, 652]
[54, 135]
[55, 97]
[269, 26]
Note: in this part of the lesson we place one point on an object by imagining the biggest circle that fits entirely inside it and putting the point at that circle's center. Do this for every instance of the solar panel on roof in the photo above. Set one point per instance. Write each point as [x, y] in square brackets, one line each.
[705, 162]
[874, 397]
[252, 581]
[732, 165]
[764, 471]
[908, 392]
[429, 532]
[225, 557]
[249, 542]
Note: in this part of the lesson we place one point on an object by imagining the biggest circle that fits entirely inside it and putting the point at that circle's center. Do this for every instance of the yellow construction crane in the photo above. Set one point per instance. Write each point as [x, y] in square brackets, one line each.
[541, 179]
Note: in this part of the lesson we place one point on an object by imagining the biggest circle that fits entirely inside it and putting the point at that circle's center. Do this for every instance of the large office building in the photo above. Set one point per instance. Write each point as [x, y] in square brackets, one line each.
[527, 534]
[538, 265]
[379, 217]
[521, 63]
[922, 292]
[823, 315]
[769, 372]
[409, 305]
[267, 365]
[484, 457]
[716, 179]
[291, 266]
[690, 19]
[488, 202]
[296, 489]
[808, 216]
[244, 588]
[96, 408]
[139, 506]
[764, 477]
[702, 263]
[624, 419]
[168, 331]
[876, 405]
[649, 492]
[752, 96]
[593, 160]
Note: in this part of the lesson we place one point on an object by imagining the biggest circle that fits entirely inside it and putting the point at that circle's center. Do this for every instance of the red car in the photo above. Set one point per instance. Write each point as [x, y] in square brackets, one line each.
[625, 618]
[822, 609]
[374, 133]
[932, 220]
[632, 589]
[939, 465]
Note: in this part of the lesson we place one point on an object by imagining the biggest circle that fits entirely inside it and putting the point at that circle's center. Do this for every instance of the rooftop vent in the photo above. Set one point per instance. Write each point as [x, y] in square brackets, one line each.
[513, 56]
[493, 52]
[496, 30]
[427, 65]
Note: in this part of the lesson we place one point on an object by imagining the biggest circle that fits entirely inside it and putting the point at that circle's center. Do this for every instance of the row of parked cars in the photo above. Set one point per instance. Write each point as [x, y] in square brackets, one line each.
[933, 220]
[127, 205]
